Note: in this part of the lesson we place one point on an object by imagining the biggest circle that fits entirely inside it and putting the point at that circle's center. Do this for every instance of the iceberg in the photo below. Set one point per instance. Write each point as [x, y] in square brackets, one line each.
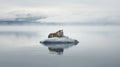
[59, 40]
[56, 45]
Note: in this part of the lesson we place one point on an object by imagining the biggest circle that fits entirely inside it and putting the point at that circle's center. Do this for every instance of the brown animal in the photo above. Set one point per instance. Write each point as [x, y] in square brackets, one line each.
[56, 34]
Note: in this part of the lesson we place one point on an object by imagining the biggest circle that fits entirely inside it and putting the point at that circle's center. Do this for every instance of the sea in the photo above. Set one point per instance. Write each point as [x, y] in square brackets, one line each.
[99, 46]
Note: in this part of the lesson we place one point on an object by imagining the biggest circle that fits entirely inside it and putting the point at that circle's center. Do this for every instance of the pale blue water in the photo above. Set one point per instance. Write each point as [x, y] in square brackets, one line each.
[99, 46]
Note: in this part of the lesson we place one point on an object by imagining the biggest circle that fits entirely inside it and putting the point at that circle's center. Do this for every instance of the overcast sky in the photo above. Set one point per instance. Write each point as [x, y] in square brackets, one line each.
[66, 10]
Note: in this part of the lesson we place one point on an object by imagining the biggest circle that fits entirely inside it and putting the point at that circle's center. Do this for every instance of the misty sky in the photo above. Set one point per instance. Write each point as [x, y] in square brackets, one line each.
[66, 10]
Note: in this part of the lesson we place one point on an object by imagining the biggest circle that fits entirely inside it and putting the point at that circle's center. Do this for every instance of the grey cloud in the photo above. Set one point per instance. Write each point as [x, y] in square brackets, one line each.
[104, 4]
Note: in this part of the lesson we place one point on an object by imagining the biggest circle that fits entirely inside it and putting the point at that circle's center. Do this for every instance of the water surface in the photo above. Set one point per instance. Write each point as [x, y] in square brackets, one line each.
[99, 46]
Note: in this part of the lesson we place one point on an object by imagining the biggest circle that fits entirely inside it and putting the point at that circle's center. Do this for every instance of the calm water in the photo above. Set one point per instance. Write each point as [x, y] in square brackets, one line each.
[99, 47]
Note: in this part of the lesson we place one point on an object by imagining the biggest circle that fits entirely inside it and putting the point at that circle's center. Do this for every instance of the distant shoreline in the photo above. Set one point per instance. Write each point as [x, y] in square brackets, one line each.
[56, 23]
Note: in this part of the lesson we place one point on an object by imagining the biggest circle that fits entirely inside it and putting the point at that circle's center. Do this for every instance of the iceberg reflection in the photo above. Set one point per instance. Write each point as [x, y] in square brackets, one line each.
[58, 48]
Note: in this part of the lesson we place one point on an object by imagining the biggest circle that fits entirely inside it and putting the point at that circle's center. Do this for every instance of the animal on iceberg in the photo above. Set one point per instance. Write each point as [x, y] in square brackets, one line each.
[58, 38]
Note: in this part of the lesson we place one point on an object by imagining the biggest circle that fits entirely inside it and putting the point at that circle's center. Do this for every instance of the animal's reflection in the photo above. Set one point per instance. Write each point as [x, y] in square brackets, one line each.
[58, 48]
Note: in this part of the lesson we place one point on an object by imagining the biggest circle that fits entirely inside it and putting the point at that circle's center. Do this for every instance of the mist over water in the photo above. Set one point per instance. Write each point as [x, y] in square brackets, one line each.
[98, 46]
[94, 23]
